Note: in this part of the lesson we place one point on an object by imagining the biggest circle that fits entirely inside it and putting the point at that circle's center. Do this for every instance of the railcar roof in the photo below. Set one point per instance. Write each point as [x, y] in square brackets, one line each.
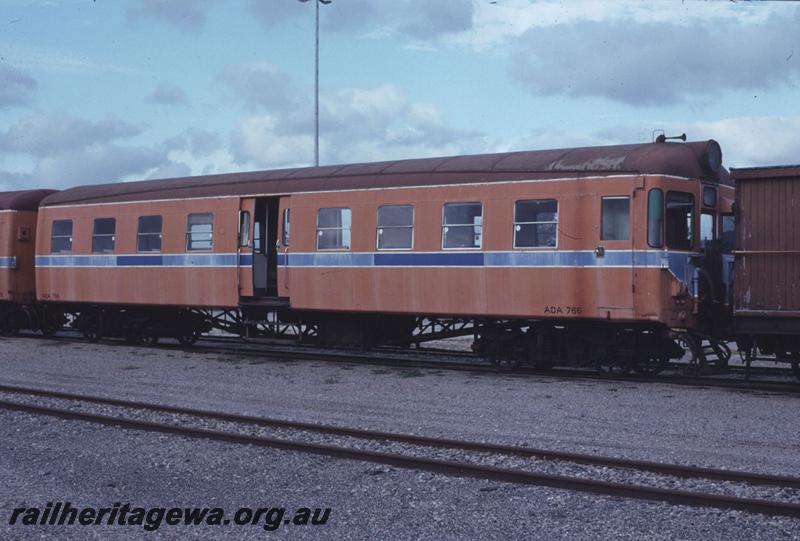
[766, 172]
[23, 200]
[668, 158]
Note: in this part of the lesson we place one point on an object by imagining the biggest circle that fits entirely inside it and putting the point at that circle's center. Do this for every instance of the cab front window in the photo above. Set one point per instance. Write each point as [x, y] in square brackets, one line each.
[680, 220]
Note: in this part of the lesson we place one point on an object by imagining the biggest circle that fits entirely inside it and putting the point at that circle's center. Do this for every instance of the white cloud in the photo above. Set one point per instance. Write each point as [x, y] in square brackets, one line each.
[44, 134]
[168, 94]
[187, 15]
[57, 60]
[261, 85]
[356, 125]
[495, 24]
[97, 163]
[16, 86]
[256, 142]
[414, 20]
[171, 169]
[752, 141]
[745, 141]
[657, 63]
[62, 150]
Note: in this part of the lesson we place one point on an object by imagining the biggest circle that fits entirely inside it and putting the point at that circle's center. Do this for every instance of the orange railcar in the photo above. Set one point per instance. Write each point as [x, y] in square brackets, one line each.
[18, 212]
[536, 249]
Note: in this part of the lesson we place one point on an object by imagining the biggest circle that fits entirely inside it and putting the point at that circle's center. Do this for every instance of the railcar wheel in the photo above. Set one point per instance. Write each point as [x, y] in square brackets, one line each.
[49, 327]
[147, 340]
[91, 335]
[144, 336]
[613, 368]
[504, 363]
[8, 325]
[650, 366]
[188, 339]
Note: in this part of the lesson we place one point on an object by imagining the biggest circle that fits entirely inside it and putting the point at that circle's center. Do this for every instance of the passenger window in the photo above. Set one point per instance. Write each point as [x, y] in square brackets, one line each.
[103, 235]
[395, 227]
[61, 237]
[709, 196]
[727, 233]
[200, 232]
[244, 229]
[535, 223]
[706, 227]
[286, 226]
[462, 225]
[655, 218]
[333, 229]
[257, 237]
[149, 234]
[680, 220]
[615, 218]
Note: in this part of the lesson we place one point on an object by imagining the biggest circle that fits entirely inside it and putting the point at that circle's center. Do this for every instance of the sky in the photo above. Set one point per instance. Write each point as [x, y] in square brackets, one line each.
[98, 91]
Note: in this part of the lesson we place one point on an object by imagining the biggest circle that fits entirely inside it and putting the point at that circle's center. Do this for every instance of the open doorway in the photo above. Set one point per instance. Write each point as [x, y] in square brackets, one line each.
[265, 252]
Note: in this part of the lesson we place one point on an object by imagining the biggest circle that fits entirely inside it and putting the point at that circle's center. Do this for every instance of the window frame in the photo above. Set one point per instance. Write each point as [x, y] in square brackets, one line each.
[713, 215]
[731, 218]
[188, 238]
[70, 236]
[244, 229]
[516, 223]
[139, 234]
[602, 216]
[378, 228]
[442, 232]
[286, 227]
[661, 232]
[112, 235]
[349, 228]
[709, 189]
[694, 221]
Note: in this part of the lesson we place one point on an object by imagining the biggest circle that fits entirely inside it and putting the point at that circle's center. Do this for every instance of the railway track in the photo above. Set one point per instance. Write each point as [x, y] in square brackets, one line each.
[437, 359]
[128, 414]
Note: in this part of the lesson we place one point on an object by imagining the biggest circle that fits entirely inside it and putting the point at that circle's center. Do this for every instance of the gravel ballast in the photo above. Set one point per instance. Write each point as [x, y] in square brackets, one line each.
[44, 459]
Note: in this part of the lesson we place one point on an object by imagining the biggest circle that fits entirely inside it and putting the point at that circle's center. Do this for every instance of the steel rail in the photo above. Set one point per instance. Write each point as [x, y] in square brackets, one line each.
[445, 467]
[457, 361]
[674, 470]
[462, 361]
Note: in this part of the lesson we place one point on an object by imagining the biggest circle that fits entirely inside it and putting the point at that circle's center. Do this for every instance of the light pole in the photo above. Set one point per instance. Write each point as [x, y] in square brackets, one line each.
[316, 79]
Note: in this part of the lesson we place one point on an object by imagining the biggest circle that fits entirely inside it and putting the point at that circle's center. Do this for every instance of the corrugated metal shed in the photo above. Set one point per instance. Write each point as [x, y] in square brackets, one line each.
[767, 261]
[679, 159]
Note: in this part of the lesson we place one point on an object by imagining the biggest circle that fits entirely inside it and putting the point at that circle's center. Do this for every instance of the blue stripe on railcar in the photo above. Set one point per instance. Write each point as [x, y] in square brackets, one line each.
[435, 259]
[143, 260]
[677, 262]
[9, 262]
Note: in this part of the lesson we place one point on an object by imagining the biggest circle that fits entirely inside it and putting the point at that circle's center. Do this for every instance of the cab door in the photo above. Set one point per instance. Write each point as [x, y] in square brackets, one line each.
[615, 255]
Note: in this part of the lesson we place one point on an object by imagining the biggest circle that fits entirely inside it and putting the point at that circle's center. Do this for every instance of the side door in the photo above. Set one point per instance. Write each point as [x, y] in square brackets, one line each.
[265, 249]
[615, 254]
[245, 251]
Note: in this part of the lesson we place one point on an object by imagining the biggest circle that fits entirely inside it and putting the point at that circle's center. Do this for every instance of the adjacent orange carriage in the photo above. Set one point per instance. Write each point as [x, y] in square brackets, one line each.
[574, 255]
[17, 234]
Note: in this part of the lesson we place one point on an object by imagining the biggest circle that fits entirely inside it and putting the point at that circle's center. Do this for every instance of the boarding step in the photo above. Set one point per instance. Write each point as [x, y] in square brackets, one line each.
[264, 302]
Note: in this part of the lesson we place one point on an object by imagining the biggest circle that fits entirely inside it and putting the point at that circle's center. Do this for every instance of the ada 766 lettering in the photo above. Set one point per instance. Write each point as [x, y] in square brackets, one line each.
[568, 310]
